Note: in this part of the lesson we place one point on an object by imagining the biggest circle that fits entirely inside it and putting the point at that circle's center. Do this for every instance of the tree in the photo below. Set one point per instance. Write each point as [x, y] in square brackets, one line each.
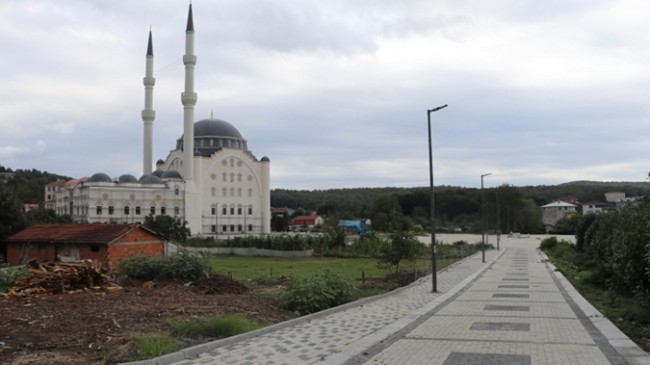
[12, 219]
[567, 225]
[403, 246]
[171, 228]
[385, 210]
[42, 215]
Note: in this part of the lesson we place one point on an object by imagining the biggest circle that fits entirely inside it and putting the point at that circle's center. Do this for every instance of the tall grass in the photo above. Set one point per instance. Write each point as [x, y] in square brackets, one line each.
[215, 327]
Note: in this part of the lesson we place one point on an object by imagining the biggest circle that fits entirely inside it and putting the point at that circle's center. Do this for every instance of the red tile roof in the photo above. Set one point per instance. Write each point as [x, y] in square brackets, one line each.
[73, 233]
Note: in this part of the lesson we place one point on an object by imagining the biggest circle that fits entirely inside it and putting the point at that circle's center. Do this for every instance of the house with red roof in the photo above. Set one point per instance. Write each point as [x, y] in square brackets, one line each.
[306, 222]
[107, 243]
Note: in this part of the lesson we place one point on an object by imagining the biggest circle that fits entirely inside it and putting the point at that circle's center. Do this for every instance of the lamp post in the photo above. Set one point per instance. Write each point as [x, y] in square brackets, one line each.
[434, 279]
[483, 216]
[498, 220]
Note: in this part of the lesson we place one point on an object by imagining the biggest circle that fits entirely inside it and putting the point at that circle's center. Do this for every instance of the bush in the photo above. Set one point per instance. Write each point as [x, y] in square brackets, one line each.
[9, 276]
[184, 267]
[548, 244]
[176, 267]
[140, 267]
[322, 291]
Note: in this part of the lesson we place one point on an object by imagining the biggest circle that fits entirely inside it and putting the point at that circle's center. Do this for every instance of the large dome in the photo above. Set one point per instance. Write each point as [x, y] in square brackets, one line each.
[211, 135]
[215, 128]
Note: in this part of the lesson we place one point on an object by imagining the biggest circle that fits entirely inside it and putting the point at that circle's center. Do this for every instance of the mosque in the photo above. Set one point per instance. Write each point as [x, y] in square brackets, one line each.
[210, 179]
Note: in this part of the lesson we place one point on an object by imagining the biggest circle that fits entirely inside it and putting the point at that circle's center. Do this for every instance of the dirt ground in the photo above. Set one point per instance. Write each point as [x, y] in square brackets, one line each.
[82, 328]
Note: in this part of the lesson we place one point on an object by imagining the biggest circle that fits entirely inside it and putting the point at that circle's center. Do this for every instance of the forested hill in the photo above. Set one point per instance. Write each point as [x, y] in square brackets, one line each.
[26, 186]
[359, 201]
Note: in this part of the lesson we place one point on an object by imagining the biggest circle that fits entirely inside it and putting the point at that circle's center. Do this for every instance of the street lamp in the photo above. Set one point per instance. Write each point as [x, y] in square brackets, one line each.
[483, 215]
[434, 280]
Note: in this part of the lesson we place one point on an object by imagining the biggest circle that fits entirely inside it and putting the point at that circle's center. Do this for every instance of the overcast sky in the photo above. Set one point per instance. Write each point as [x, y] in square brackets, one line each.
[336, 92]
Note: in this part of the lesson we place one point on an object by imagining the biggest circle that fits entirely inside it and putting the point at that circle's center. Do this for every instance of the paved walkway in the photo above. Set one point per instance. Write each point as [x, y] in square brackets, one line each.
[513, 309]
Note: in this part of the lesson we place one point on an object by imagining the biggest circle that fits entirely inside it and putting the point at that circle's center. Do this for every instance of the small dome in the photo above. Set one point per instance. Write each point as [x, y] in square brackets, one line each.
[150, 179]
[265, 159]
[99, 177]
[160, 162]
[171, 174]
[158, 172]
[127, 178]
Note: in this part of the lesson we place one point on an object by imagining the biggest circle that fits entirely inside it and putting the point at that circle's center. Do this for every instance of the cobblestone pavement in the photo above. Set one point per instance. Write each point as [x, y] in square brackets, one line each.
[513, 309]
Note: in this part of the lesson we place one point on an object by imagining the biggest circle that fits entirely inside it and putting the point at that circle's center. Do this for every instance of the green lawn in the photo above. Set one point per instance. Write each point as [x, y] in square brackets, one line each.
[244, 268]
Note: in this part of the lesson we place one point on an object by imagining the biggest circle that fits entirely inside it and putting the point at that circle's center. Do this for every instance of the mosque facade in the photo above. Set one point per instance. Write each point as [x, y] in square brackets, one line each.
[210, 179]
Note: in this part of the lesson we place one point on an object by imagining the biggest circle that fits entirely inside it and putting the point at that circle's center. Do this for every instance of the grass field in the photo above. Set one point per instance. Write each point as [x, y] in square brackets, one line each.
[245, 268]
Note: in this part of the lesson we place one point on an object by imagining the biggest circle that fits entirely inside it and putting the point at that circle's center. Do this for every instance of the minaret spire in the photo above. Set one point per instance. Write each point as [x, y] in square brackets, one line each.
[188, 98]
[148, 114]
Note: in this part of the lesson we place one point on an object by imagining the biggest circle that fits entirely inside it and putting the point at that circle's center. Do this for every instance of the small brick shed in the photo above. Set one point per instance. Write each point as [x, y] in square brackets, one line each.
[107, 243]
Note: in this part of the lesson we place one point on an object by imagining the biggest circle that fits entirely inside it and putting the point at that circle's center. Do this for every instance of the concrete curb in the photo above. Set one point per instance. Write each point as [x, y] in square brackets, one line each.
[625, 347]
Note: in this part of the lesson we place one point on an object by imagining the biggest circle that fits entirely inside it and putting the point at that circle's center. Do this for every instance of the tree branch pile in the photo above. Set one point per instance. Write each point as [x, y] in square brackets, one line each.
[62, 277]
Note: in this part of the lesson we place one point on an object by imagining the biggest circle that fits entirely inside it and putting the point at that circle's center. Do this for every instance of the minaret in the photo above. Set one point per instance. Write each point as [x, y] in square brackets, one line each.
[148, 114]
[188, 98]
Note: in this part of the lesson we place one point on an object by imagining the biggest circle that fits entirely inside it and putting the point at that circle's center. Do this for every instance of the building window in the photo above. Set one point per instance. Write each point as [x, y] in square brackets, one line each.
[250, 192]
[94, 248]
[126, 210]
[232, 228]
[250, 210]
[224, 192]
[177, 210]
[250, 228]
[232, 177]
[177, 191]
[152, 210]
[213, 228]
[224, 211]
[137, 210]
[163, 210]
[225, 177]
[214, 210]
[232, 210]
[111, 210]
[239, 228]
[214, 191]
[224, 228]
[238, 210]
[238, 177]
[99, 210]
[239, 192]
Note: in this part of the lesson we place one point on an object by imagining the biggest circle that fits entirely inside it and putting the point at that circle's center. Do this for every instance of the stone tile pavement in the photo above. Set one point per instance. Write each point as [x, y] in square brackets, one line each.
[514, 309]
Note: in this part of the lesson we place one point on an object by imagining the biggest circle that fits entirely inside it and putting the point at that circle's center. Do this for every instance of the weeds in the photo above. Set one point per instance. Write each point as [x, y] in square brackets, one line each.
[215, 327]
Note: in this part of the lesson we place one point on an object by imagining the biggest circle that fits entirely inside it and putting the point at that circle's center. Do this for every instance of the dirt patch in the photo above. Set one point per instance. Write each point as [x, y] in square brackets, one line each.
[98, 327]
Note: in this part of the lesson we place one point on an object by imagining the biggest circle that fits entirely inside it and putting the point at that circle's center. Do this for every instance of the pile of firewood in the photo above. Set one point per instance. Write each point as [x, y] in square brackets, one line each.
[62, 277]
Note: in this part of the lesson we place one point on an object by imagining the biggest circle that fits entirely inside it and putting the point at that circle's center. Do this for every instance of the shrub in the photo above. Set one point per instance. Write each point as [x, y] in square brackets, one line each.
[548, 243]
[9, 276]
[176, 267]
[140, 267]
[184, 267]
[322, 291]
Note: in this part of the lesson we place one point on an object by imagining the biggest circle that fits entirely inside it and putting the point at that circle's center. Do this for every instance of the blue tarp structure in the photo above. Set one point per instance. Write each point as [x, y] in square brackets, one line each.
[353, 225]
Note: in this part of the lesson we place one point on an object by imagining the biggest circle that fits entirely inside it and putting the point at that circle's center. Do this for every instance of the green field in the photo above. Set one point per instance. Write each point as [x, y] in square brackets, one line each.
[245, 268]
